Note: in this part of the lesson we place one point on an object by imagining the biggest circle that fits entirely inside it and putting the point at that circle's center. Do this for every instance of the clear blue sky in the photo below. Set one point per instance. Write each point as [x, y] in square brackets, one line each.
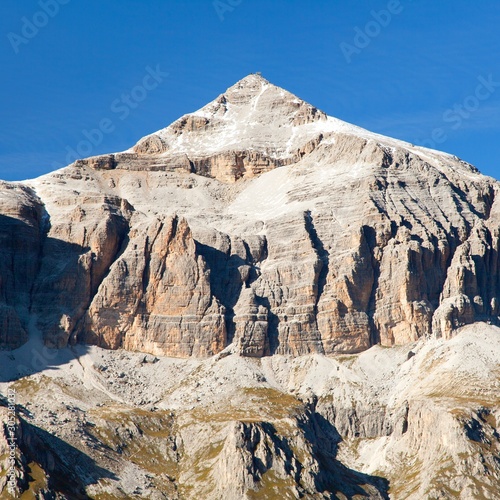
[427, 72]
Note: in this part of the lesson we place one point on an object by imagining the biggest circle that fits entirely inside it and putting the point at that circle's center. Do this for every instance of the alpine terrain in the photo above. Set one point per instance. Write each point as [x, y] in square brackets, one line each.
[259, 301]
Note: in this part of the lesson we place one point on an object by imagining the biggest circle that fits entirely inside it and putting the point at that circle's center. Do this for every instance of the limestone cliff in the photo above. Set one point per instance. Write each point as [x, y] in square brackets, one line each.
[257, 221]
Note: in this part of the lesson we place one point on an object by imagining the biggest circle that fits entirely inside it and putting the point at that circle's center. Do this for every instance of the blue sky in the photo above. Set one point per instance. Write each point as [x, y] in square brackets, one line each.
[75, 72]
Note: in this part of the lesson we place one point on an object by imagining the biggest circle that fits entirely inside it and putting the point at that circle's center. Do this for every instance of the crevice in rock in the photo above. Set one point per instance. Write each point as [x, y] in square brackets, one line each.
[404, 423]
[273, 322]
[265, 251]
[148, 247]
[44, 233]
[371, 239]
[492, 198]
[323, 260]
[225, 280]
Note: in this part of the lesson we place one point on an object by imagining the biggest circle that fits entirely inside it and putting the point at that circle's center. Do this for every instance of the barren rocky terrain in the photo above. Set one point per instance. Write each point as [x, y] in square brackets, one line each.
[258, 301]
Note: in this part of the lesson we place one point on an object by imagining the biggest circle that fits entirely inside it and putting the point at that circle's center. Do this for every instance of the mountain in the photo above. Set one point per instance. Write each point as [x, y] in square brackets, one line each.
[262, 256]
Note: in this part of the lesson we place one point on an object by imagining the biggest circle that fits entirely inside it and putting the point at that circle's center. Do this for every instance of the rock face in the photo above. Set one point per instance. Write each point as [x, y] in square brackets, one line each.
[164, 304]
[21, 239]
[256, 221]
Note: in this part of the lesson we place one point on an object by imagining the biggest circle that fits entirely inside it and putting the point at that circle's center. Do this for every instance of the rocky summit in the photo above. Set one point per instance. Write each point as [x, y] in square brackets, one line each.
[257, 301]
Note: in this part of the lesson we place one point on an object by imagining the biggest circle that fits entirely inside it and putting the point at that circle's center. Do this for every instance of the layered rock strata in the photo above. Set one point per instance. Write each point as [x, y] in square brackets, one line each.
[256, 221]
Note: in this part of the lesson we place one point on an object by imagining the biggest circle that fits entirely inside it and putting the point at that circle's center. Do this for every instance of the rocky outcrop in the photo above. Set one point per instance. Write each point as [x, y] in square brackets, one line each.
[22, 230]
[256, 221]
[165, 305]
[255, 458]
[472, 289]
[235, 165]
[251, 322]
[460, 446]
[83, 241]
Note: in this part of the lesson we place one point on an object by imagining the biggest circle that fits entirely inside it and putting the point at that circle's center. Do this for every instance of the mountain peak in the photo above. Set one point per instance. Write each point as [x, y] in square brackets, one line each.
[255, 126]
[264, 96]
[251, 115]
[251, 80]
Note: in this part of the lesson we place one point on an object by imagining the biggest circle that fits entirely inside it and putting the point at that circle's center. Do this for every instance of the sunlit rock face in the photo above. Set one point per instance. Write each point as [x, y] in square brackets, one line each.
[257, 221]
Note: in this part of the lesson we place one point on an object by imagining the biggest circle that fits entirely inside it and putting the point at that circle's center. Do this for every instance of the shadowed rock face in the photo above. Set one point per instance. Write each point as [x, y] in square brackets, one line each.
[21, 239]
[257, 221]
